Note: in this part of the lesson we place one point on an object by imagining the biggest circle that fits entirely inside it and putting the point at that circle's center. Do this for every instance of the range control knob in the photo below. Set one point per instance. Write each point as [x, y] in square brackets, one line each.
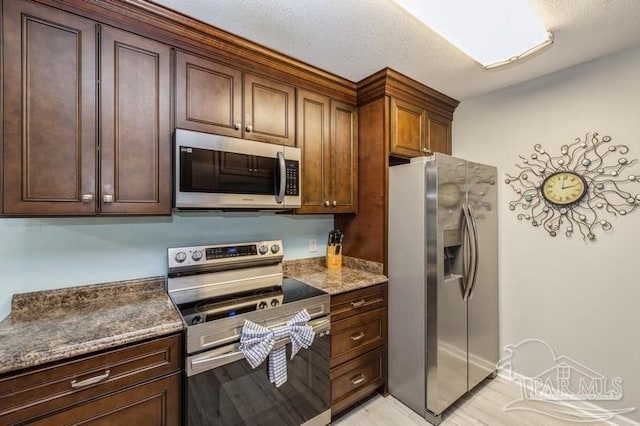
[197, 320]
[275, 302]
[263, 249]
[275, 248]
[197, 255]
[181, 256]
[262, 305]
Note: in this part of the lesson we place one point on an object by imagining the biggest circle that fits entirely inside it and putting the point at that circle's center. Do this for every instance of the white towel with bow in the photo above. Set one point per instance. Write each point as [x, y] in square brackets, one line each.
[256, 343]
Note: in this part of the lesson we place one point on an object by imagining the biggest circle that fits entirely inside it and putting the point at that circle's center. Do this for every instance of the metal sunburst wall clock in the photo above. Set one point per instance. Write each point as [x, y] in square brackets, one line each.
[577, 190]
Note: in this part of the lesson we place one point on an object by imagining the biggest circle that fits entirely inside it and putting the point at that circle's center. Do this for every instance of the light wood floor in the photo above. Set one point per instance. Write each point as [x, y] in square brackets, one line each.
[483, 406]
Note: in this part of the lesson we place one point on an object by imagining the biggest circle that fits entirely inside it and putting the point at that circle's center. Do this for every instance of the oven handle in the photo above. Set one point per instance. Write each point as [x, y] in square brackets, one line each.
[202, 364]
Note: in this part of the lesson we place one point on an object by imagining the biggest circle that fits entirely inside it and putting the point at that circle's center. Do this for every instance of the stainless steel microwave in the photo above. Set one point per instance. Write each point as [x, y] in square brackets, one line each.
[220, 172]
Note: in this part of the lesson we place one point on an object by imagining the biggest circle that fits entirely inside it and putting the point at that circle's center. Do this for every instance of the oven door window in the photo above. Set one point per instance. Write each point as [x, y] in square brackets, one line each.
[204, 170]
[236, 394]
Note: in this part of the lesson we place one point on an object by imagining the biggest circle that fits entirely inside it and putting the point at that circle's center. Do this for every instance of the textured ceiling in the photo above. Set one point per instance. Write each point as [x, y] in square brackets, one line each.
[355, 38]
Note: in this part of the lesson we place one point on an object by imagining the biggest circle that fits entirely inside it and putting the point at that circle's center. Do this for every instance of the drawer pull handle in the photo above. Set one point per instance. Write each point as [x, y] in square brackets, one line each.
[357, 380]
[358, 336]
[358, 304]
[90, 381]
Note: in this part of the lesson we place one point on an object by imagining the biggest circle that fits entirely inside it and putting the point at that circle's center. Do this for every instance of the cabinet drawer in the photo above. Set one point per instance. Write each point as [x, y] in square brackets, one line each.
[154, 403]
[357, 379]
[356, 335]
[36, 392]
[357, 301]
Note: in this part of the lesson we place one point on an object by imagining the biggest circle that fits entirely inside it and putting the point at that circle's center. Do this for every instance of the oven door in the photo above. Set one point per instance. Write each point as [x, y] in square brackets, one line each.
[223, 390]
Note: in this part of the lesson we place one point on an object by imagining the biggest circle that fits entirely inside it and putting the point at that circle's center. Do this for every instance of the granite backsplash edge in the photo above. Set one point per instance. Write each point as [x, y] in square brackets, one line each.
[347, 262]
[32, 303]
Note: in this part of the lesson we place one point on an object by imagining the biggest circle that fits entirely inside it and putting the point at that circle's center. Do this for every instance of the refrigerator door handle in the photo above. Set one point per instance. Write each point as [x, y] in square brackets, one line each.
[468, 251]
[472, 251]
[476, 250]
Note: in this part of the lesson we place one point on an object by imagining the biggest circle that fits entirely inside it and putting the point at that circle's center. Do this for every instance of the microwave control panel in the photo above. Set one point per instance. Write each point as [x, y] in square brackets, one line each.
[292, 187]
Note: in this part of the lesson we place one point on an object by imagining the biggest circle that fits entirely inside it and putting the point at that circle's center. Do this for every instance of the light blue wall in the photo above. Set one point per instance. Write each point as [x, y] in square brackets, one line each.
[37, 254]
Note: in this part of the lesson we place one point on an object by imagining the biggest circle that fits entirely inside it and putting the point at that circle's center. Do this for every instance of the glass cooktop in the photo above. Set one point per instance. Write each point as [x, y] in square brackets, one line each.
[206, 310]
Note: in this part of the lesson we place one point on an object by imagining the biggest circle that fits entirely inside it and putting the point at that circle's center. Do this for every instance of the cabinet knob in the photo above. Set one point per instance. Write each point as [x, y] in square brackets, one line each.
[249, 128]
[236, 126]
[426, 151]
[107, 198]
[327, 204]
[335, 203]
[87, 197]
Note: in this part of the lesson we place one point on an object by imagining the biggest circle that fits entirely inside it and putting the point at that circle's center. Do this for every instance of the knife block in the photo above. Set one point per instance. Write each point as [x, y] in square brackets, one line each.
[334, 260]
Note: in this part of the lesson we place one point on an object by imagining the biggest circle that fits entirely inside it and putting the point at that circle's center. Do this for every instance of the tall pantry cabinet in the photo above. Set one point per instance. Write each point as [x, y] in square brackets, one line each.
[398, 118]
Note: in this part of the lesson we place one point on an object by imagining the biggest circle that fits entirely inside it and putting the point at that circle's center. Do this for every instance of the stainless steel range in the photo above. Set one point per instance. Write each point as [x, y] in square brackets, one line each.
[216, 288]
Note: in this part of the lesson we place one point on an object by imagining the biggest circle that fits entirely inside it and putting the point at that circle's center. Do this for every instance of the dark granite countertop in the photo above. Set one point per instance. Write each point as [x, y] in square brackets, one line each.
[354, 274]
[51, 325]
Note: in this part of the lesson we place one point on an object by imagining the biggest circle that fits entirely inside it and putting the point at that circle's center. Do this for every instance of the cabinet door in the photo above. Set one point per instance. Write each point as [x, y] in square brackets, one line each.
[208, 96]
[269, 111]
[439, 134]
[49, 107]
[313, 138]
[344, 158]
[154, 403]
[408, 129]
[136, 127]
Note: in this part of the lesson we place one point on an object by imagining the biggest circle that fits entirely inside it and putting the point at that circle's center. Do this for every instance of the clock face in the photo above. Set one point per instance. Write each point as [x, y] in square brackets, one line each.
[449, 194]
[563, 188]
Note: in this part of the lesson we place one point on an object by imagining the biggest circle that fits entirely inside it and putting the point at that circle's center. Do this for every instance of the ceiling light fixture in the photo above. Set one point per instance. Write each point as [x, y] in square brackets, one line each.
[493, 32]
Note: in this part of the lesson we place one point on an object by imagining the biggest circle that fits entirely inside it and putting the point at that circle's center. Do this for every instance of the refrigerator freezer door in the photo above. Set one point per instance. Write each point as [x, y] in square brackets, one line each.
[483, 295]
[446, 338]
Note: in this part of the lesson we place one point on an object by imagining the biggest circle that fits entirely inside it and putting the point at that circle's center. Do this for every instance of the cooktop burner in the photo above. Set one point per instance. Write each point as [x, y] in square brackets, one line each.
[231, 305]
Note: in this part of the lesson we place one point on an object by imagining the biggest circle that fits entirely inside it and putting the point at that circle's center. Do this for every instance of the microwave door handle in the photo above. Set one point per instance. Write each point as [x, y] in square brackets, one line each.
[282, 177]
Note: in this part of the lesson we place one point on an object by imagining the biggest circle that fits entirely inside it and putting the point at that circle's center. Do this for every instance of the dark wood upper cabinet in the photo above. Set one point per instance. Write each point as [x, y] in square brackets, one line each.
[415, 131]
[408, 129]
[51, 115]
[208, 96]
[313, 139]
[269, 111]
[344, 153]
[327, 136]
[135, 173]
[49, 135]
[439, 134]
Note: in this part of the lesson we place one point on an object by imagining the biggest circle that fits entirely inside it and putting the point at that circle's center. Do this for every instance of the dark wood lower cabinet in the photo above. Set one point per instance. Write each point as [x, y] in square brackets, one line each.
[155, 404]
[358, 346]
[139, 384]
[357, 379]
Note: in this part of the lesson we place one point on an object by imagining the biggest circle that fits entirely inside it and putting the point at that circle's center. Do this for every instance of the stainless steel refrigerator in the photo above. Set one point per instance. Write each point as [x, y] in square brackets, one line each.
[443, 281]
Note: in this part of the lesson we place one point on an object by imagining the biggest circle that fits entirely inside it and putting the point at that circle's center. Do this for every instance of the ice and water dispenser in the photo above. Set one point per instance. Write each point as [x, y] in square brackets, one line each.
[453, 258]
